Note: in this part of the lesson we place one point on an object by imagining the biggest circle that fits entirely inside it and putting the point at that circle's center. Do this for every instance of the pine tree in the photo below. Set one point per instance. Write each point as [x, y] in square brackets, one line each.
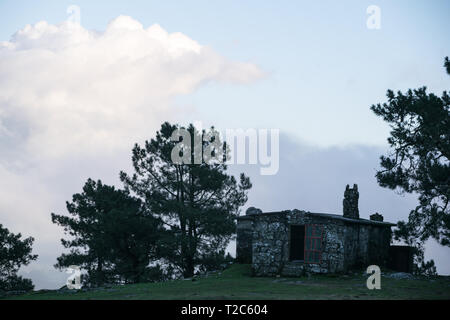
[198, 202]
[111, 235]
[14, 253]
[420, 159]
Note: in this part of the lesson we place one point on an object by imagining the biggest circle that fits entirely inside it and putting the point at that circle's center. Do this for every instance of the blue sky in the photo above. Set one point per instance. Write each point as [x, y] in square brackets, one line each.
[69, 112]
[324, 67]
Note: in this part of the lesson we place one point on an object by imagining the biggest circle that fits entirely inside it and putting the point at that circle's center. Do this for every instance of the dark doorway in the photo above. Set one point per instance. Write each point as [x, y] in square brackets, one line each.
[297, 245]
[401, 258]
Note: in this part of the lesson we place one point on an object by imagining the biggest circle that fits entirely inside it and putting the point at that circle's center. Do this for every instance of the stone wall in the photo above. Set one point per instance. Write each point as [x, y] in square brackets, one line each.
[263, 239]
[366, 245]
[356, 246]
[244, 236]
[271, 234]
[379, 244]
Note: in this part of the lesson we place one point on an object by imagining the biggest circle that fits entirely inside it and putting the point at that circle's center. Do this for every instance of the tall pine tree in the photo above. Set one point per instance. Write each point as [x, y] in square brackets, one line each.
[419, 161]
[198, 202]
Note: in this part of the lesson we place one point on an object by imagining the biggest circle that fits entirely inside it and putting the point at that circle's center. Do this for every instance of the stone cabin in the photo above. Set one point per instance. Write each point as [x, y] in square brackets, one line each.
[293, 242]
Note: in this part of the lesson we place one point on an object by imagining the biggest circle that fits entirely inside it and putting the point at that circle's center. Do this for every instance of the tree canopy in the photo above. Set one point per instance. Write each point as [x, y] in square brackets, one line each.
[197, 200]
[14, 253]
[419, 159]
[111, 236]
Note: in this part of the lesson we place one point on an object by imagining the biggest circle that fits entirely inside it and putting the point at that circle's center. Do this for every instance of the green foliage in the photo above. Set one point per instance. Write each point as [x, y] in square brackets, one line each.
[14, 252]
[16, 283]
[182, 221]
[447, 65]
[236, 283]
[197, 202]
[214, 261]
[419, 161]
[112, 236]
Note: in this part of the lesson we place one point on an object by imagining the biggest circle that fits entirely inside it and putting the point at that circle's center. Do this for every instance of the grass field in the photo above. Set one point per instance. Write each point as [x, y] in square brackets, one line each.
[236, 283]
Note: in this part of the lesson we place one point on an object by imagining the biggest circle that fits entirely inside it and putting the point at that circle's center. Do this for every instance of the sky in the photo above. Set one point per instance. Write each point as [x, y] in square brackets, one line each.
[74, 98]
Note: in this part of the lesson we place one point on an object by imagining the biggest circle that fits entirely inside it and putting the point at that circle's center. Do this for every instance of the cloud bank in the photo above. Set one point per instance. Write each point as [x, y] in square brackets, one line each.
[66, 89]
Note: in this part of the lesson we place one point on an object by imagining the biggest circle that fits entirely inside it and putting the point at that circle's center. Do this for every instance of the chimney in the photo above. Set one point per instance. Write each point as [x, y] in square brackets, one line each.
[376, 217]
[253, 210]
[350, 203]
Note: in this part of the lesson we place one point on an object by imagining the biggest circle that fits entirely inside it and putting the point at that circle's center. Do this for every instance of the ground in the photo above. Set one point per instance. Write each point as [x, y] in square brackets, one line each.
[236, 283]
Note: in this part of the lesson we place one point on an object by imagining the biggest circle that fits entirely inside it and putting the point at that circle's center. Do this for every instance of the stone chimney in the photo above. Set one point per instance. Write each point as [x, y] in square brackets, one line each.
[253, 210]
[376, 217]
[350, 203]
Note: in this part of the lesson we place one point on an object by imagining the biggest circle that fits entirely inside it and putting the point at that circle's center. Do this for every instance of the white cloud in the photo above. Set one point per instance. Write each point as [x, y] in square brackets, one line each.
[65, 89]
[23, 200]
[73, 102]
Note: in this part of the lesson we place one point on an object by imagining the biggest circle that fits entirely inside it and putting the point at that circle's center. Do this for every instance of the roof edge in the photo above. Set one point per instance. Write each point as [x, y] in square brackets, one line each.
[323, 215]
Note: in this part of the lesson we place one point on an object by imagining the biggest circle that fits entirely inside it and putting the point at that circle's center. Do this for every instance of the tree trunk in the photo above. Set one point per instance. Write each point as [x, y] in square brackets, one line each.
[99, 273]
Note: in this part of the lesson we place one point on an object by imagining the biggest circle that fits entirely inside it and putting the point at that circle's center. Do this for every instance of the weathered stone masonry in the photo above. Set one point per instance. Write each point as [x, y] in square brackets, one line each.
[332, 243]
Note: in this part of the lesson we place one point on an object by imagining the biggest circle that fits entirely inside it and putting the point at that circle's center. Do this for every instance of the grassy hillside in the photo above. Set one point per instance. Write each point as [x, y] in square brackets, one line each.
[236, 283]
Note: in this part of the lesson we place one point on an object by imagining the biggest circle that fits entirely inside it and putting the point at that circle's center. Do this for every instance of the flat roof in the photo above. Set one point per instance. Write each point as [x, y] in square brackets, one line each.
[324, 215]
